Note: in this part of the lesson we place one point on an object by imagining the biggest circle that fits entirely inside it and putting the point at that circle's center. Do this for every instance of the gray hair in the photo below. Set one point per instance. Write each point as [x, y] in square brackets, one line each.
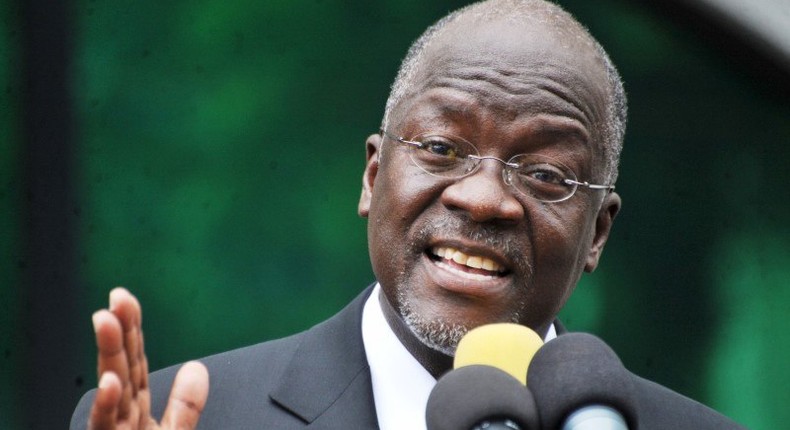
[612, 131]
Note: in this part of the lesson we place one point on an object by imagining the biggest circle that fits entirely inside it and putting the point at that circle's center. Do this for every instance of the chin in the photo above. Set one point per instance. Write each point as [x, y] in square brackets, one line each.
[438, 334]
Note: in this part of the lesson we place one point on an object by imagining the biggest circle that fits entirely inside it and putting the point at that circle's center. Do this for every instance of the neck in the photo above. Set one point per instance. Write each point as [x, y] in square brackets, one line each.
[435, 362]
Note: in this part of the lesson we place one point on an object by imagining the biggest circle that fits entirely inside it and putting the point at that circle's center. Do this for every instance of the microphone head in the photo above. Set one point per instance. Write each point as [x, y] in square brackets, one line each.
[465, 397]
[576, 370]
[506, 346]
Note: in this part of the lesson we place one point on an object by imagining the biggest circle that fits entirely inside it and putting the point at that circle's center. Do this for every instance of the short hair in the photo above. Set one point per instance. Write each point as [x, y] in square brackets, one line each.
[612, 131]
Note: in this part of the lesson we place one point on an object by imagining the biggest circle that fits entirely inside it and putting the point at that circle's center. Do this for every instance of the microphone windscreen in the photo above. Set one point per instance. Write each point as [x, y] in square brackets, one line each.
[466, 396]
[576, 370]
[506, 346]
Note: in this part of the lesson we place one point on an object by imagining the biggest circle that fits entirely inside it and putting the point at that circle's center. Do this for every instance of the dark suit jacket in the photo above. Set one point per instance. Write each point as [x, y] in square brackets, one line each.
[320, 379]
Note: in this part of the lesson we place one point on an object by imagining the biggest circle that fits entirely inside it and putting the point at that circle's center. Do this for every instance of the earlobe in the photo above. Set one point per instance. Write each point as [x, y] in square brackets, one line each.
[603, 226]
[373, 150]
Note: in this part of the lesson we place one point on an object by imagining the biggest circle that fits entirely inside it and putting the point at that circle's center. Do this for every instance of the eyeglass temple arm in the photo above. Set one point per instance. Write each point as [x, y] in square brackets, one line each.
[400, 139]
[589, 185]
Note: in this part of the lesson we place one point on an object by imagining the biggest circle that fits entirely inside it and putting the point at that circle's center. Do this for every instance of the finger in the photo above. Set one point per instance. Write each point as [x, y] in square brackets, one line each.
[187, 397]
[111, 354]
[104, 411]
[144, 403]
[143, 395]
[127, 309]
[129, 312]
[143, 364]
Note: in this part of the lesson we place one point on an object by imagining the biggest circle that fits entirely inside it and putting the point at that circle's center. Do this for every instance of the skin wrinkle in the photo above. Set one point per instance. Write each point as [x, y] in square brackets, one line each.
[569, 109]
[510, 81]
[567, 45]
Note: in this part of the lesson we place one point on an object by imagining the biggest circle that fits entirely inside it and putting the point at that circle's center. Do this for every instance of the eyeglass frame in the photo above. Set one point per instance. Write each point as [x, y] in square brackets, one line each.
[507, 164]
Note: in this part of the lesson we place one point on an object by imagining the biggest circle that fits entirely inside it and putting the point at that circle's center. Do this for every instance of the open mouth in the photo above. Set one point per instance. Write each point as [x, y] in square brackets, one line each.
[465, 264]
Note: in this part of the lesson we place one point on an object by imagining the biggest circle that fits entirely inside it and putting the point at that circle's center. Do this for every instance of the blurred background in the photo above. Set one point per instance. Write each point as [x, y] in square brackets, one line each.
[208, 155]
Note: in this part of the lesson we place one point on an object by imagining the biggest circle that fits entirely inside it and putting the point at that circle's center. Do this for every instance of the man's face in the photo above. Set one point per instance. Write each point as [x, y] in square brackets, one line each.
[508, 92]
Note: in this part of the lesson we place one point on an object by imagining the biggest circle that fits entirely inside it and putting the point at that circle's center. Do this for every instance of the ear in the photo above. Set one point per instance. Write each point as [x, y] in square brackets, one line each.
[373, 151]
[603, 225]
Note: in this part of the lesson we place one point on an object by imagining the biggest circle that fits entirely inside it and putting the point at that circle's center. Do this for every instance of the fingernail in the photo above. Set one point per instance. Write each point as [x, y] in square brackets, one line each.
[106, 379]
[115, 295]
[95, 320]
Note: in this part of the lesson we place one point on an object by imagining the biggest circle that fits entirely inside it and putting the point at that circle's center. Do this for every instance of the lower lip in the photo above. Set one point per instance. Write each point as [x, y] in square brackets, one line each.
[457, 281]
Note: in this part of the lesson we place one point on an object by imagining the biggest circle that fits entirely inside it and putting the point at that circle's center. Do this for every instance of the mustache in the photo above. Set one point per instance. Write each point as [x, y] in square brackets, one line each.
[495, 236]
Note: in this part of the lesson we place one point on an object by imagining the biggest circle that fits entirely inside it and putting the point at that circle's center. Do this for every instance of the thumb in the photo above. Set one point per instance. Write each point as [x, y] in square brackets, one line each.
[187, 397]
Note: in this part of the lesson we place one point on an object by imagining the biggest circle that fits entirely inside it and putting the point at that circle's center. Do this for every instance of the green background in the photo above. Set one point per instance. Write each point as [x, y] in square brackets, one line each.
[219, 151]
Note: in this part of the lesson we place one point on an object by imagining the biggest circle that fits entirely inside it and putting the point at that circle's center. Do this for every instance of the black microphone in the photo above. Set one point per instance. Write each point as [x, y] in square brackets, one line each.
[480, 397]
[579, 383]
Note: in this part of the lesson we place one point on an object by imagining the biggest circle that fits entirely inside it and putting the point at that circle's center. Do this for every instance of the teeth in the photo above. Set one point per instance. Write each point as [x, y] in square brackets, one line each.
[473, 261]
[490, 265]
[460, 257]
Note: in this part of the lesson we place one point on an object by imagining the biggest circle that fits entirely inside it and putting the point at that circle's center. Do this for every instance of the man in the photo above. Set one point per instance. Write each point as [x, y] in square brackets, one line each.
[488, 191]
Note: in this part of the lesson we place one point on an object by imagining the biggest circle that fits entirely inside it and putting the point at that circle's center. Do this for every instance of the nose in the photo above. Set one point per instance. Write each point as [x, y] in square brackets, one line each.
[483, 195]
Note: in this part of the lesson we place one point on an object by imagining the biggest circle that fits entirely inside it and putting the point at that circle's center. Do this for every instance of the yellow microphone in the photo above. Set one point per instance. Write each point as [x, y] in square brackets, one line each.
[487, 386]
[506, 346]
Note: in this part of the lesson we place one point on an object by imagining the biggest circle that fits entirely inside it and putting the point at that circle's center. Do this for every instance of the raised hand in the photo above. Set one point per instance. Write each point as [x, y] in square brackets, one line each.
[123, 399]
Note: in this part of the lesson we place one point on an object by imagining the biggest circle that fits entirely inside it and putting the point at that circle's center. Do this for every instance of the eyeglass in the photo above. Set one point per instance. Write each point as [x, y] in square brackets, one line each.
[537, 176]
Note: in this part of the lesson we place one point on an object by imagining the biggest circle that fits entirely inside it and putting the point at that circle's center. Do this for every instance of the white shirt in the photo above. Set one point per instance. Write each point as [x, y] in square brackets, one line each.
[401, 385]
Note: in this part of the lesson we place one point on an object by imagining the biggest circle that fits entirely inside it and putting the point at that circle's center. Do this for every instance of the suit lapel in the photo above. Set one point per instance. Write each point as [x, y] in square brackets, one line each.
[328, 379]
[559, 327]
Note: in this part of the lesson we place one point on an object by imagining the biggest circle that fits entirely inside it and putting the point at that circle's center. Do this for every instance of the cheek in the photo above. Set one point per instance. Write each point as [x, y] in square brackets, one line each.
[562, 236]
[566, 228]
[400, 196]
[399, 199]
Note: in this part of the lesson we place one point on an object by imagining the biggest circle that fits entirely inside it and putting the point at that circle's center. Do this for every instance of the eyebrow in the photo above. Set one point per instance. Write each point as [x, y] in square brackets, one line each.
[451, 112]
[570, 128]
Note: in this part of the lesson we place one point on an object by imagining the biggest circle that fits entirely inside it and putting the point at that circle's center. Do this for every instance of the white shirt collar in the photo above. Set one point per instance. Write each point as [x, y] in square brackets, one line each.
[401, 385]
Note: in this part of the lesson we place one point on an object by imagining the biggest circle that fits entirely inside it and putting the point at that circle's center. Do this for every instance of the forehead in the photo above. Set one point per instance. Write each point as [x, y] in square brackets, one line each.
[515, 71]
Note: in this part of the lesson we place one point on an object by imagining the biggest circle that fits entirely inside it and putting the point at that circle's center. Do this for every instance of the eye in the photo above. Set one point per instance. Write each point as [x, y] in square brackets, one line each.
[542, 177]
[440, 146]
[542, 173]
